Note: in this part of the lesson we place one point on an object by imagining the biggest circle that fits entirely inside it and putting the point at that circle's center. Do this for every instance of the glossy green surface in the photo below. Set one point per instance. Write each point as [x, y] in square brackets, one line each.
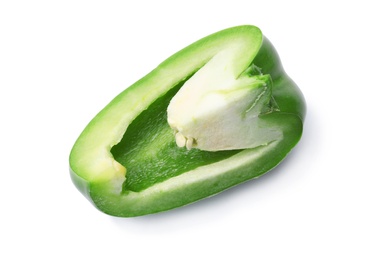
[126, 161]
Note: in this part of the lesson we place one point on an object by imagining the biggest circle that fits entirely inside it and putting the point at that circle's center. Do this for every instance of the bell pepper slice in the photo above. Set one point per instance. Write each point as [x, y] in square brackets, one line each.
[126, 161]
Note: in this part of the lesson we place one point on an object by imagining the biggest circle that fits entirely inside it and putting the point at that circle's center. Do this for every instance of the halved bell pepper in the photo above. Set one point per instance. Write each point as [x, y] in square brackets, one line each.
[145, 153]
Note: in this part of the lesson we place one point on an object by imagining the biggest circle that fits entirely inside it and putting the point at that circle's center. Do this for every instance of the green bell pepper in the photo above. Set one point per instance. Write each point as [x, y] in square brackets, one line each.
[131, 159]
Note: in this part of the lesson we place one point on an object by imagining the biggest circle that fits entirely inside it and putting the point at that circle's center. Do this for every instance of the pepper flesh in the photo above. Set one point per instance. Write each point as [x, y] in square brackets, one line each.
[103, 178]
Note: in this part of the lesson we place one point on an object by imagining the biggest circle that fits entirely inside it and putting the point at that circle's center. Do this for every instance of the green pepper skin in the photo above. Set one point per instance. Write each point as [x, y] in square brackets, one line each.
[100, 178]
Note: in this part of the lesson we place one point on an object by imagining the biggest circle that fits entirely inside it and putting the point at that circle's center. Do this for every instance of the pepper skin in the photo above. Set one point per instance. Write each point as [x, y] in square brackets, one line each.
[126, 161]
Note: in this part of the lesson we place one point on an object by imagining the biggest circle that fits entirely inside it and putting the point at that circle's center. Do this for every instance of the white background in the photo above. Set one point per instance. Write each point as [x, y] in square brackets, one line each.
[62, 61]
